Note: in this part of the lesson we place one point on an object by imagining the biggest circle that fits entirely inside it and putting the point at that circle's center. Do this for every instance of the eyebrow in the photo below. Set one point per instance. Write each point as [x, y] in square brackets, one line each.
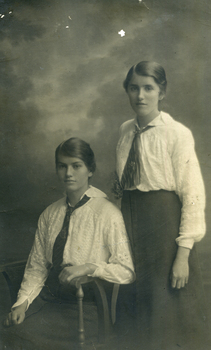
[136, 85]
[78, 162]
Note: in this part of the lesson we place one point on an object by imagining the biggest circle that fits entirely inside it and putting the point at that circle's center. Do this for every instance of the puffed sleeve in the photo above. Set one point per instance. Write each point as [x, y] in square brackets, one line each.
[37, 267]
[190, 189]
[119, 268]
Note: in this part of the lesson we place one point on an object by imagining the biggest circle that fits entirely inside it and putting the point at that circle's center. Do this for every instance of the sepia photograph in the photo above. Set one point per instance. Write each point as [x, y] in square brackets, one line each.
[105, 180]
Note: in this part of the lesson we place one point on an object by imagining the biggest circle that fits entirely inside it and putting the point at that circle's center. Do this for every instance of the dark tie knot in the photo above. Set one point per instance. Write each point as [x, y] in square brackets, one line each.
[137, 130]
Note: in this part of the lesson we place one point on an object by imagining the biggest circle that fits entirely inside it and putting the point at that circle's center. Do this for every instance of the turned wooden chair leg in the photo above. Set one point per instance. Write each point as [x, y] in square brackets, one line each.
[113, 302]
[102, 311]
[81, 335]
[104, 322]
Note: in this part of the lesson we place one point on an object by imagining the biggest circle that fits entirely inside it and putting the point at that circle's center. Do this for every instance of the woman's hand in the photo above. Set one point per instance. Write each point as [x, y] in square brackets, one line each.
[16, 316]
[180, 269]
[70, 272]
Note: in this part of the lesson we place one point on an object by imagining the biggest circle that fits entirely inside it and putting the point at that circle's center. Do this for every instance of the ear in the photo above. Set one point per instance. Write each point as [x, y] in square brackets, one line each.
[90, 174]
[161, 95]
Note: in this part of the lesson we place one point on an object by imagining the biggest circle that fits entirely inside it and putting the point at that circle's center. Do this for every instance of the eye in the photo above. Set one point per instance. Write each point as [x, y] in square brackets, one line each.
[76, 166]
[148, 87]
[133, 88]
[61, 166]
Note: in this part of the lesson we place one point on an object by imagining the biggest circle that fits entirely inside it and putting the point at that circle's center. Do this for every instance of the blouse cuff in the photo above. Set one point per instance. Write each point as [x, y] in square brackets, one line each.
[21, 301]
[185, 242]
[99, 270]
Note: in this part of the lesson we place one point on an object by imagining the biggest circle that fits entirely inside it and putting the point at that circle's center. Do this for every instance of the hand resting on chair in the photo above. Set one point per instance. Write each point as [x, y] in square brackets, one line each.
[70, 272]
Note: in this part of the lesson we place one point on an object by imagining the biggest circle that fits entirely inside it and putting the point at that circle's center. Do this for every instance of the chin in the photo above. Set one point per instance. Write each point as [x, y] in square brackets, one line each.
[69, 187]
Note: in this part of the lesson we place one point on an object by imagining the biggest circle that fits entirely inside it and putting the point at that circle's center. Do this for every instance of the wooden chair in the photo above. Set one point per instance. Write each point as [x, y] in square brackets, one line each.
[106, 319]
[104, 323]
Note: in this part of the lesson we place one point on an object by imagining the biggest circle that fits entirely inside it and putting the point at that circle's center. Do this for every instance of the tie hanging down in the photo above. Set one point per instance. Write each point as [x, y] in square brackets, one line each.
[61, 239]
[132, 171]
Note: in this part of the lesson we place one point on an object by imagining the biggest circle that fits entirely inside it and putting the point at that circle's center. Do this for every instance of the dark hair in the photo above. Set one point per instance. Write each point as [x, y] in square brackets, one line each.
[77, 148]
[148, 69]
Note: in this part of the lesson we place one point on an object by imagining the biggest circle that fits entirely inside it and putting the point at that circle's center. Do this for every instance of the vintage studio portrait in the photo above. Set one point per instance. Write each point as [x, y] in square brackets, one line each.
[105, 175]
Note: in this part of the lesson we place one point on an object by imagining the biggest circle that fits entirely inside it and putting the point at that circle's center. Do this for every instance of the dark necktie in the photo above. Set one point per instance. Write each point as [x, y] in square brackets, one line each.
[132, 167]
[61, 239]
[132, 170]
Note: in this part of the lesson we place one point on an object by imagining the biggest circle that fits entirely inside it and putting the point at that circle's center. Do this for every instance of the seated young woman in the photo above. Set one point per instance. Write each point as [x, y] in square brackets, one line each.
[80, 234]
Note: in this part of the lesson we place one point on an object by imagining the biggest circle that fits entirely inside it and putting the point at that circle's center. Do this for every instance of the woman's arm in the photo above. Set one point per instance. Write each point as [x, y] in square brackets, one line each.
[37, 267]
[190, 188]
[70, 272]
[119, 268]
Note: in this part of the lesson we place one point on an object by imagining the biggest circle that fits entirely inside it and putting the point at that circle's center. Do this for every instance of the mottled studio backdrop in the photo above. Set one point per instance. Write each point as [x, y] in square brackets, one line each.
[62, 65]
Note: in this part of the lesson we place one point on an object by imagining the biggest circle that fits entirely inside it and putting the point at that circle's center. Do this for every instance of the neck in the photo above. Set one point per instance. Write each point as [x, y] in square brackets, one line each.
[144, 120]
[74, 197]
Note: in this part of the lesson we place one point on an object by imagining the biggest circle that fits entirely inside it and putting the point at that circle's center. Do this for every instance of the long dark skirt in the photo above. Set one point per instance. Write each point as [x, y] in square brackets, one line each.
[165, 318]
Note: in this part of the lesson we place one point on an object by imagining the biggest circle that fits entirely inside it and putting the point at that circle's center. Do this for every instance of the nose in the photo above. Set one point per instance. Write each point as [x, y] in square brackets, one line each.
[69, 171]
[141, 94]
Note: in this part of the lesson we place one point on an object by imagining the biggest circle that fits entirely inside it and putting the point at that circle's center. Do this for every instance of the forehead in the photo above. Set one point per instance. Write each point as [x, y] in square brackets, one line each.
[68, 160]
[141, 80]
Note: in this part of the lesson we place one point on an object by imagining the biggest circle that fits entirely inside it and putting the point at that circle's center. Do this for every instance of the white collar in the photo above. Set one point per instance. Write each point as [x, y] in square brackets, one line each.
[162, 119]
[91, 192]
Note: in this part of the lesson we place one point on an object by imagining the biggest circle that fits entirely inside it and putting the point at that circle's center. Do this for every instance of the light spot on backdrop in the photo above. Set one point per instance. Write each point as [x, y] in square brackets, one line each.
[121, 33]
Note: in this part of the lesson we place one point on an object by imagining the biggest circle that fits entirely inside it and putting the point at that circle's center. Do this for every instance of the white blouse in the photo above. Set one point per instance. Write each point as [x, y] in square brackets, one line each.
[96, 235]
[169, 162]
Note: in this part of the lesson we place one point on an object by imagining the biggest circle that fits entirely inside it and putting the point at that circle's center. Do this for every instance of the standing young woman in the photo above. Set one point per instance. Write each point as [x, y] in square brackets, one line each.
[163, 207]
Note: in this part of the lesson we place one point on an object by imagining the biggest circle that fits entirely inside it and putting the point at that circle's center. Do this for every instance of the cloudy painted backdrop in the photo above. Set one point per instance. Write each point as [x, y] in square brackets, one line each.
[62, 65]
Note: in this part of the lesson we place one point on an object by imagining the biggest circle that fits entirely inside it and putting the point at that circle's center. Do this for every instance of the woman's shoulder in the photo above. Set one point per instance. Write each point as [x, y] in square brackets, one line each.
[54, 207]
[105, 202]
[94, 192]
[175, 128]
[102, 206]
[126, 126]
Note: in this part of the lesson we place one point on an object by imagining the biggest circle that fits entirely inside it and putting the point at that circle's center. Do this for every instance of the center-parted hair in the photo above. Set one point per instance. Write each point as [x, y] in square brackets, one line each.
[77, 148]
[148, 69]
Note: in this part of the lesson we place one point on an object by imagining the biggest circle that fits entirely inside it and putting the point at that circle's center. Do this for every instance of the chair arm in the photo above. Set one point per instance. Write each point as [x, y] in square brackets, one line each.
[19, 263]
[10, 269]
